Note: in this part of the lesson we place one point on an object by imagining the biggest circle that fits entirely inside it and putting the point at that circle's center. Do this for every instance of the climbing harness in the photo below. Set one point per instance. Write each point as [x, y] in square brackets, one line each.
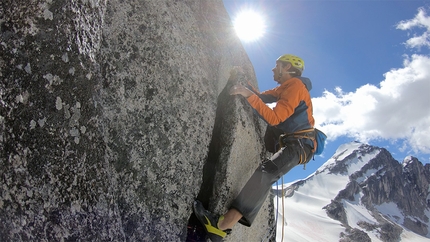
[316, 135]
[302, 134]
[297, 136]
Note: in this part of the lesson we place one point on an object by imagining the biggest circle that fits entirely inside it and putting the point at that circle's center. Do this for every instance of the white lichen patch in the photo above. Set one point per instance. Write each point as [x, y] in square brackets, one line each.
[42, 122]
[48, 15]
[29, 193]
[19, 99]
[16, 161]
[65, 57]
[76, 110]
[74, 132]
[66, 111]
[32, 124]
[27, 68]
[75, 207]
[22, 98]
[53, 79]
[83, 129]
[58, 103]
[72, 71]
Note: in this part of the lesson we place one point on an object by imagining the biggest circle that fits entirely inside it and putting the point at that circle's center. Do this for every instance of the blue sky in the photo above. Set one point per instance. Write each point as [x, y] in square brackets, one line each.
[369, 62]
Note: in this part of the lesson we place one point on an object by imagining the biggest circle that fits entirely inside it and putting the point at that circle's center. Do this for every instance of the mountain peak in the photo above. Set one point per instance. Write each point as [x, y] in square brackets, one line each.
[362, 194]
[409, 160]
[349, 157]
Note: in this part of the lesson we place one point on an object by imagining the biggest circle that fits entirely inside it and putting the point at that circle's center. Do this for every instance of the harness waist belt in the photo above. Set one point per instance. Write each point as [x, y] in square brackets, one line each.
[306, 133]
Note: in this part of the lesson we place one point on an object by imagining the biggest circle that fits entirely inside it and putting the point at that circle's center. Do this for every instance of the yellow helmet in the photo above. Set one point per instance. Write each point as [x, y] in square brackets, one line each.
[295, 61]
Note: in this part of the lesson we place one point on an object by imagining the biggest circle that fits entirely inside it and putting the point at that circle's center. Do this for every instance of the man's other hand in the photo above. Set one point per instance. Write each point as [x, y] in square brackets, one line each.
[240, 90]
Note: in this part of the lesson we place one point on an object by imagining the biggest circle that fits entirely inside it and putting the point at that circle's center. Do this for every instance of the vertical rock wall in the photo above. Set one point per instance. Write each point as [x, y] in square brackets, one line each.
[235, 151]
[107, 113]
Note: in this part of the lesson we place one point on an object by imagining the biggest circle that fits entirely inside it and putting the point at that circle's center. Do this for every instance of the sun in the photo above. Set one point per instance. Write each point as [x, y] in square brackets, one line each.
[249, 25]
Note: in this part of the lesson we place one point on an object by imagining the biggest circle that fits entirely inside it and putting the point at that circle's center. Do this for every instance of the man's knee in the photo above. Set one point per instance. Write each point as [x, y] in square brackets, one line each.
[269, 166]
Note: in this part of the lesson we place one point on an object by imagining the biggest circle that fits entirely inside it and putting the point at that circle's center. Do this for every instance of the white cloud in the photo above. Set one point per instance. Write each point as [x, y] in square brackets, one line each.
[421, 20]
[399, 109]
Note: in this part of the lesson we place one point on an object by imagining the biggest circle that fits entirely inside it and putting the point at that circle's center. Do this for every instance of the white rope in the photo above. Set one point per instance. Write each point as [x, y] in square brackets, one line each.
[283, 217]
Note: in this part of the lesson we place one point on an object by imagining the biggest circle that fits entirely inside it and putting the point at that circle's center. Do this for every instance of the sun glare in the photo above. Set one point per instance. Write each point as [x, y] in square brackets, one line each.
[249, 25]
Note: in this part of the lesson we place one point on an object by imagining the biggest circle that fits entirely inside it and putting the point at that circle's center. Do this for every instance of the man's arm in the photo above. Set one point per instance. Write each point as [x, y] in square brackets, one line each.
[289, 99]
[248, 90]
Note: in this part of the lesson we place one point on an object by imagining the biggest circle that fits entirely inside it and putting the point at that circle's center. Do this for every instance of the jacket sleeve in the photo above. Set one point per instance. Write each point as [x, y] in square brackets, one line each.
[288, 100]
[269, 96]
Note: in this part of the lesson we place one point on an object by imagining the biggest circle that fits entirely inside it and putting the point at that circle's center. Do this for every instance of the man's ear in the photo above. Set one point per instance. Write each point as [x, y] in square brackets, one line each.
[287, 66]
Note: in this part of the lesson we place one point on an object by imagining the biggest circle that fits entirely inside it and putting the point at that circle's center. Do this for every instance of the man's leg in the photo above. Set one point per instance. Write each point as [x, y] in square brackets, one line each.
[255, 191]
[253, 195]
[230, 219]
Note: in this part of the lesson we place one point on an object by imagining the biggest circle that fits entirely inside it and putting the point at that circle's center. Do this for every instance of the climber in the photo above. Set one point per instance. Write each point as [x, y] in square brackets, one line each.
[289, 135]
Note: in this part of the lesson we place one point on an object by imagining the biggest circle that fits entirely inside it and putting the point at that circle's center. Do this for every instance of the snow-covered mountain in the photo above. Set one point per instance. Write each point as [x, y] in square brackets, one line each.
[360, 194]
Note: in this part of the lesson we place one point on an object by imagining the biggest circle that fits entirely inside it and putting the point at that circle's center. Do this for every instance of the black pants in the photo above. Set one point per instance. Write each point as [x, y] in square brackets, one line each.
[255, 191]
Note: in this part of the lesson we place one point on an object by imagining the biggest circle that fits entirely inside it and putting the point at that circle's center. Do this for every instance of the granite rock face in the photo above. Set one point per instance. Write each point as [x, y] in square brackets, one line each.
[110, 112]
[236, 127]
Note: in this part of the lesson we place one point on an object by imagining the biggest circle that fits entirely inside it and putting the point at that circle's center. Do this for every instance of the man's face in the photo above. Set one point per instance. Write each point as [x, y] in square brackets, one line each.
[276, 71]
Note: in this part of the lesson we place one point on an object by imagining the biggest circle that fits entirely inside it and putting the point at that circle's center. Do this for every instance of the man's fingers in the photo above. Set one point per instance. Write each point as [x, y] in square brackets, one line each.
[235, 90]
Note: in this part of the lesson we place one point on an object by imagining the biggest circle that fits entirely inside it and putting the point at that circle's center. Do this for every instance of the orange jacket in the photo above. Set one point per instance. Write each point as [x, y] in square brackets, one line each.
[293, 110]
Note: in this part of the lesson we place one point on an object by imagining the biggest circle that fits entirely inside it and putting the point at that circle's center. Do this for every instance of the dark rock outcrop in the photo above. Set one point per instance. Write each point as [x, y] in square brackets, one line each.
[335, 210]
[107, 114]
[354, 235]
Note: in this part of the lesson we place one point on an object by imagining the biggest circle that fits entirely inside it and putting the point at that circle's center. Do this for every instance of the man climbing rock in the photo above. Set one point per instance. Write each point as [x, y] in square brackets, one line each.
[290, 136]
